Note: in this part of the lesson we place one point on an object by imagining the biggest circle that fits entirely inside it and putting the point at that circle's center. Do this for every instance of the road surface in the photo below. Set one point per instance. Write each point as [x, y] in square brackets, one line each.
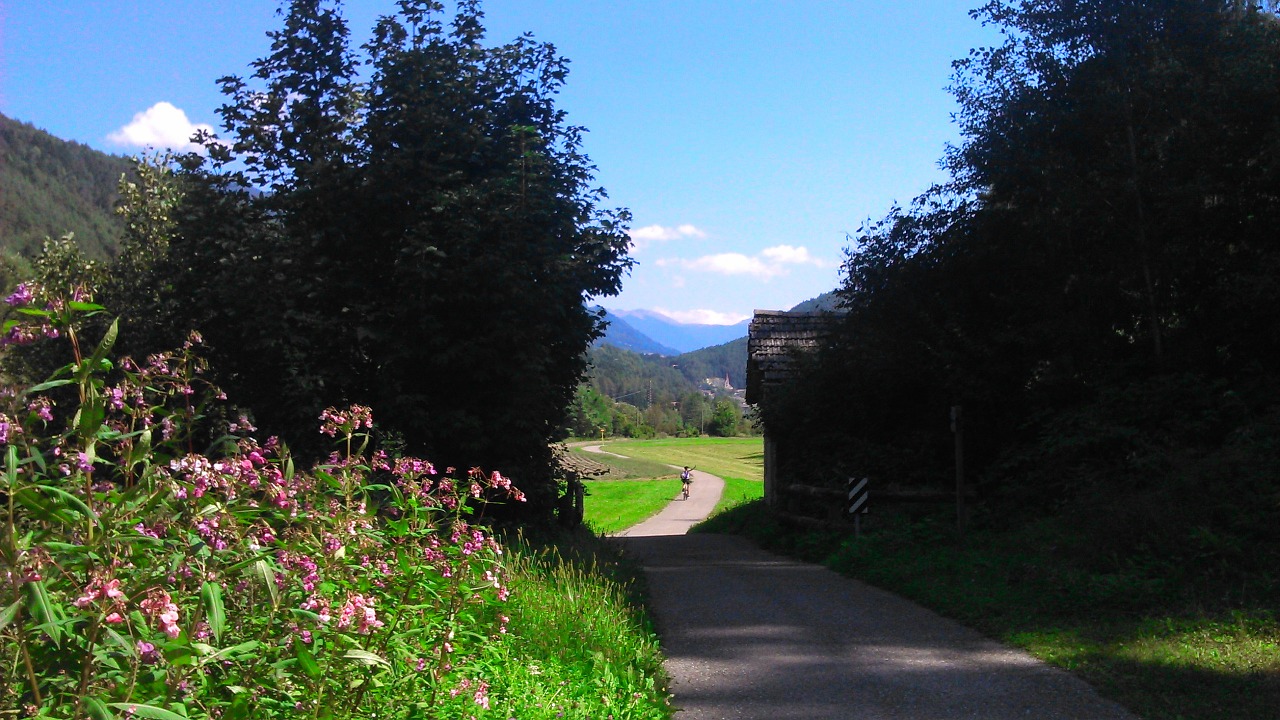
[752, 635]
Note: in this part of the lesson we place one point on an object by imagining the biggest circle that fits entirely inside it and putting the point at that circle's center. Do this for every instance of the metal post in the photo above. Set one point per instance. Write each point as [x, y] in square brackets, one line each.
[957, 429]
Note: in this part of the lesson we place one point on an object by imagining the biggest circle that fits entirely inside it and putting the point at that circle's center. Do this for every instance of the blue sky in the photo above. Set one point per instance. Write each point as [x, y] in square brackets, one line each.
[747, 138]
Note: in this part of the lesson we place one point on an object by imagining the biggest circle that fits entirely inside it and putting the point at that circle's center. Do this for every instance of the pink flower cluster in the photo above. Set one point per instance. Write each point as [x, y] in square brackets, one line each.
[99, 589]
[161, 608]
[334, 421]
[480, 694]
[358, 611]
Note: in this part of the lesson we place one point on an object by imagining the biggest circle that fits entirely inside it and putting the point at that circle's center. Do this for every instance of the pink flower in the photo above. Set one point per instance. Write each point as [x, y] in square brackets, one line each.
[21, 295]
[159, 606]
[359, 610]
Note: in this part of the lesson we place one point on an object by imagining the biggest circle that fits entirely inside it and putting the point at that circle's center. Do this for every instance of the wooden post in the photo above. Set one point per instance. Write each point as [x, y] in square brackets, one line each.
[957, 429]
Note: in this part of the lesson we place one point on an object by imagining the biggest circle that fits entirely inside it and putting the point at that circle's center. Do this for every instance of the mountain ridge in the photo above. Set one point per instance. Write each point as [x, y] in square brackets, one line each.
[649, 332]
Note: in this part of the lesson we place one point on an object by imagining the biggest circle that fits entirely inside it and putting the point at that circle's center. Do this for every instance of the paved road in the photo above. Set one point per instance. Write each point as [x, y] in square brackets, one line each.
[749, 634]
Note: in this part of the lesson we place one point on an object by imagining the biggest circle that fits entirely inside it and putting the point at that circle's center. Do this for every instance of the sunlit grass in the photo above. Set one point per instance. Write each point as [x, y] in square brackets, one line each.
[615, 505]
[724, 457]
[597, 656]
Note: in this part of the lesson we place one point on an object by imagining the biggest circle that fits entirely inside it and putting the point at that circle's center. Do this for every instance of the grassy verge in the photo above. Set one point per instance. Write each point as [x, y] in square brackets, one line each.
[577, 646]
[1131, 634]
[615, 505]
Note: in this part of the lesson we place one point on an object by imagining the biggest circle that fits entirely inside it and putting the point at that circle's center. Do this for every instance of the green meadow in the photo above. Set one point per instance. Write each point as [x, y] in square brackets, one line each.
[633, 488]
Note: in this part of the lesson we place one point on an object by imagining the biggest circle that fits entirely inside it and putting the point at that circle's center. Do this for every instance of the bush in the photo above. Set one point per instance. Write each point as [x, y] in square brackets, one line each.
[143, 576]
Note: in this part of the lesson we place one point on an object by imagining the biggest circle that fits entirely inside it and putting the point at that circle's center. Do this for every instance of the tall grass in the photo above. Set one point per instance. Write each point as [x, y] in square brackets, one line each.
[577, 646]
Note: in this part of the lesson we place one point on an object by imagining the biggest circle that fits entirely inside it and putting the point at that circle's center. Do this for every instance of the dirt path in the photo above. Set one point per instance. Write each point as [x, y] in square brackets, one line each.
[749, 634]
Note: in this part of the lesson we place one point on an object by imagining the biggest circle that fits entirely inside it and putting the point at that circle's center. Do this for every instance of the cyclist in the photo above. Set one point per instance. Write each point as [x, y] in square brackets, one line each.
[686, 479]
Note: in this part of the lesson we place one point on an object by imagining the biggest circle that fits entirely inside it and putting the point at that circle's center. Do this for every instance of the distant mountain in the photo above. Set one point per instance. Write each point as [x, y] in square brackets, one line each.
[52, 187]
[827, 301]
[621, 334]
[726, 360]
[649, 332]
[620, 370]
[681, 336]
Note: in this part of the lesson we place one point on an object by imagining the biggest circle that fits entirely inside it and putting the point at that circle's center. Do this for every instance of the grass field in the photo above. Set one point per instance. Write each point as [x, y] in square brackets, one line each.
[741, 458]
[615, 505]
[641, 484]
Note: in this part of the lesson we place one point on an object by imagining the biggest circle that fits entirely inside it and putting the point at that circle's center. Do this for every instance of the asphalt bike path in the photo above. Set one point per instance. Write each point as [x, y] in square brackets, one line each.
[749, 634]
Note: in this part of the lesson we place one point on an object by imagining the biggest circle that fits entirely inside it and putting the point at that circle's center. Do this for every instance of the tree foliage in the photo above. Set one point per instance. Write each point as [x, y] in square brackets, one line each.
[411, 227]
[1096, 285]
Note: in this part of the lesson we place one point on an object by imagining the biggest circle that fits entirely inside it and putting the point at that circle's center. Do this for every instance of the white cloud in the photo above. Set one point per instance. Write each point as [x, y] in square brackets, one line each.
[732, 264]
[789, 255]
[703, 317]
[160, 126]
[768, 263]
[649, 234]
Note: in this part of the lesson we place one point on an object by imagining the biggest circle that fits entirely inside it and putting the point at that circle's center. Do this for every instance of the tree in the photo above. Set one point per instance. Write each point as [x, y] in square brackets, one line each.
[1107, 221]
[422, 241]
[725, 419]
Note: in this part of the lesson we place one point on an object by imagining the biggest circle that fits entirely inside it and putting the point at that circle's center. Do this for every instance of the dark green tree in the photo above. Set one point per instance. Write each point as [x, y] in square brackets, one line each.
[422, 241]
[1106, 223]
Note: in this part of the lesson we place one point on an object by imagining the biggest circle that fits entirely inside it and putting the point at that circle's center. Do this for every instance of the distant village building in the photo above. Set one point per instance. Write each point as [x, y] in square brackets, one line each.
[720, 383]
[775, 341]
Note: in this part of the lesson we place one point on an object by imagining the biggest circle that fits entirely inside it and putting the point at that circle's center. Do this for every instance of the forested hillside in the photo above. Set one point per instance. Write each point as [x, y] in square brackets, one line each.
[52, 187]
[636, 395]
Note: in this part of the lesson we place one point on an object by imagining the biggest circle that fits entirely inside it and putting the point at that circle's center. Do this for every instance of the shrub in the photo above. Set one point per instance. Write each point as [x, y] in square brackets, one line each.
[140, 575]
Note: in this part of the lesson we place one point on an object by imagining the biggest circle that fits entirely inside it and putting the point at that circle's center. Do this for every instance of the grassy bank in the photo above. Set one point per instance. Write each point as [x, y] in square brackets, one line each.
[577, 645]
[1161, 651]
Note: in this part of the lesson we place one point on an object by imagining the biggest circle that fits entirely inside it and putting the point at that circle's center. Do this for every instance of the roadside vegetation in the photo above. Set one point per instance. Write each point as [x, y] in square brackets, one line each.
[144, 577]
[1163, 647]
[1091, 299]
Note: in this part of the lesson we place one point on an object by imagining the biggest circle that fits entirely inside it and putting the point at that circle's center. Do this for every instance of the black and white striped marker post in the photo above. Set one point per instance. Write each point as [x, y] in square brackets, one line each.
[857, 502]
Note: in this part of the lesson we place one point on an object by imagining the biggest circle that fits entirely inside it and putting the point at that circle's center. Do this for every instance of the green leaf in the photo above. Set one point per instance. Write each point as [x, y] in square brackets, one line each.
[211, 654]
[148, 711]
[263, 569]
[89, 418]
[42, 508]
[11, 466]
[97, 710]
[307, 661]
[58, 502]
[108, 341]
[215, 613]
[43, 610]
[80, 306]
[47, 386]
[364, 657]
[8, 614]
